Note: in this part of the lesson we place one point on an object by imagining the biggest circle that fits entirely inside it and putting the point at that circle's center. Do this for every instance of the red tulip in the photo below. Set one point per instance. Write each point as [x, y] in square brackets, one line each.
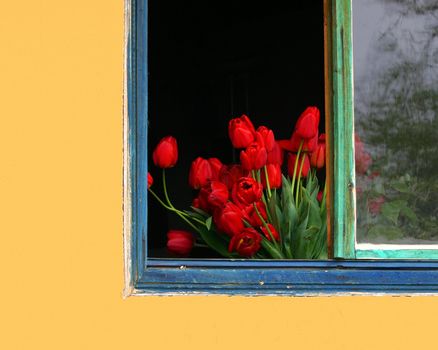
[216, 166]
[229, 174]
[150, 180]
[317, 159]
[246, 243]
[276, 156]
[362, 157]
[218, 194]
[229, 219]
[246, 191]
[375, 205]
[201, 172]
[201, 202]
[266, 137]
[180, 242]
[308, 122]
[241, 132]
[319, 196]
[251, 214]
[274, 176]
[309, 145]
[274, 232]
[165, 154]
[253, 157]
[293, 145]
[291, 164]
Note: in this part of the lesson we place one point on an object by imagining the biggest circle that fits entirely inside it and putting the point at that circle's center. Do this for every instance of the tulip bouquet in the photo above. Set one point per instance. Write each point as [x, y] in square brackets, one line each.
[254, 209]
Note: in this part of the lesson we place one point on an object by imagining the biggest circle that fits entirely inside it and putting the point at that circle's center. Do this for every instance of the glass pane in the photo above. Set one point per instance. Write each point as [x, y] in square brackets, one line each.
[396, 125]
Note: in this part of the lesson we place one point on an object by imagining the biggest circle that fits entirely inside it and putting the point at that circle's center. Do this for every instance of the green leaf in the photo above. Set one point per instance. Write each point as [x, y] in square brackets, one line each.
[391, 211]
[320, 247]
[200, 211]
[270, 248]
[401, 187]
[379, 188]
[314, 221]
[298, 243]
[215, 241]
[389, 232]
[208, 223]
[290, 221]
[195, 215]
[272, 204]
[409, 213]
[286, 192]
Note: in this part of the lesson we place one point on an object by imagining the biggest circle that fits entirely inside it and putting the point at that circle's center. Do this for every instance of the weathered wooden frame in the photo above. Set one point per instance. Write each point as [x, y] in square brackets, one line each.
[145, 276]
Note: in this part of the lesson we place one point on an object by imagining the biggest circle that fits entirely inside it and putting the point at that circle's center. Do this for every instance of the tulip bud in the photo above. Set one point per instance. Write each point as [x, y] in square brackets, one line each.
[266, 137]
[229, 219]
[218, 194]
[319, 196]
[241, 132]
[180, 242]
[150, 180]
[274, 176]
[253, 157]
[200, 173]
[165, 154]
[317, 159]
[276, 156]
[308, 122]
[216, 166]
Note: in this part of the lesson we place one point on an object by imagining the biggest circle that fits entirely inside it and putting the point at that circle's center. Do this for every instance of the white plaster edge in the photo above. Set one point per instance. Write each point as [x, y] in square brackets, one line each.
[127, 190]
[372, 246]
[141, 293]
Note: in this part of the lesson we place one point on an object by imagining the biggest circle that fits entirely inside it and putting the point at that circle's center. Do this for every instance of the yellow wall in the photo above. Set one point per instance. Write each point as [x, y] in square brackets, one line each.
[60, 189]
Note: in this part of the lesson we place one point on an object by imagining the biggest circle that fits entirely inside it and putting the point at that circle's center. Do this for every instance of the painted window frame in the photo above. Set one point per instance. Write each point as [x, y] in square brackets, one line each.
[147, 276]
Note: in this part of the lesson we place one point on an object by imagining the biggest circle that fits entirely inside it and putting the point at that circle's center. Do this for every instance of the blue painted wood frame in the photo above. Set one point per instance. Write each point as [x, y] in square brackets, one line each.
[146, 276]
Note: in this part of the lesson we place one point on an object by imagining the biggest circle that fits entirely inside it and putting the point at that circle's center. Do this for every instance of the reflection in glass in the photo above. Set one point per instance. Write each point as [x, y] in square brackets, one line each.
[396, 126]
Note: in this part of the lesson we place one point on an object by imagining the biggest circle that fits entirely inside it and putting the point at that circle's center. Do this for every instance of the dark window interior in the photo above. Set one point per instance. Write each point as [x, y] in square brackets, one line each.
[210, 61]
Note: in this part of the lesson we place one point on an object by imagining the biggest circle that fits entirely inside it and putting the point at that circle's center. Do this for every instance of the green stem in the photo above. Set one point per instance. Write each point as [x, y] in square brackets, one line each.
[200, 245]
[295, 166]
[274, 241]
[268, 185]
[159, 200]
[165, 189]
[173, 208]
[256, 176]
[299, 180]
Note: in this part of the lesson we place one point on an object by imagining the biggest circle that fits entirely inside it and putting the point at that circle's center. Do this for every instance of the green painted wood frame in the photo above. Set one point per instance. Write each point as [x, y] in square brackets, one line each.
[340, 108]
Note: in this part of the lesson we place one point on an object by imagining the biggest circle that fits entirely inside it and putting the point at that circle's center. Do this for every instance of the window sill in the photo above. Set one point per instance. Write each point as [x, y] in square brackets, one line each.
[294, 278]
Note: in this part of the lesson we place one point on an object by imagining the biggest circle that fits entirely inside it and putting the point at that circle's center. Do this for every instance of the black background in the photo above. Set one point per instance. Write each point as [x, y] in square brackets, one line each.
[210, 61]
